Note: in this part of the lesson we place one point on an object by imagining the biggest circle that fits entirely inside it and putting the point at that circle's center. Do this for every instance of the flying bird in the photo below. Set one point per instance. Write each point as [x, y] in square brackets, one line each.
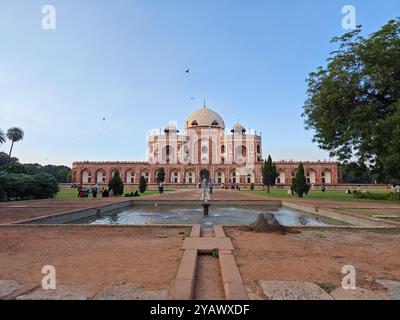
[104, 119]
[187, 71]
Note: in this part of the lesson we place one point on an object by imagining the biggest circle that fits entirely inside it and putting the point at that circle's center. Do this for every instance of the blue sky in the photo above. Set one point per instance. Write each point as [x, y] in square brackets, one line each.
[125, 61]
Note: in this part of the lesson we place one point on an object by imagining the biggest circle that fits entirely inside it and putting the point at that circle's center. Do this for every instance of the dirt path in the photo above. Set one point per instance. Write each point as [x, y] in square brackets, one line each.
[145, 256]
[317, 256]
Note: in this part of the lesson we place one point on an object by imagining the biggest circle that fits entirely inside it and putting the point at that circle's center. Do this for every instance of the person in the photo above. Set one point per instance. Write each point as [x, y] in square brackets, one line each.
[210, 186]
[323, 188]
[397, 189]
[94, 192]
[348, 191]
[161, 187]
[79, 191]
[105, 193]
[136, 194]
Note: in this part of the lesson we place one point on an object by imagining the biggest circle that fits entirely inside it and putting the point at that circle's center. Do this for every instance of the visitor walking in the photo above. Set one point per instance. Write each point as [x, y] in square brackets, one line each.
[161, 187]
[323, 188]
[210, 186]
[94, 192]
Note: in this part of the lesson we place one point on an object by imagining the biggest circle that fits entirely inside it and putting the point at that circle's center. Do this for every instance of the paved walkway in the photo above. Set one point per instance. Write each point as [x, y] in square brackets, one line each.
[199, 276]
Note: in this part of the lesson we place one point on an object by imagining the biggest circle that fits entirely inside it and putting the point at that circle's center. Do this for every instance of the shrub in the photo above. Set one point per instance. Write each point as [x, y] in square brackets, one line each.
[142, 185]
[18, 186]
[378, 196]
[116, 184]
[300, 183]
[160, 175]
[43, 186]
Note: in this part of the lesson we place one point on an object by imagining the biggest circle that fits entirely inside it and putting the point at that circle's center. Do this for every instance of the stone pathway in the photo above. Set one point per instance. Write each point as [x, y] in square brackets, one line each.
[193, 278]
[294, 290]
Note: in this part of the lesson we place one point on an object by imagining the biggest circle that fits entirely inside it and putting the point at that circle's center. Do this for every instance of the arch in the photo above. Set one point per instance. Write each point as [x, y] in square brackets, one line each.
[145, 173]
[175, 176]
[311, 176]
[281, 178]
[219, 176]
[86, 176]
[113, 172]
[250, 177]
[190, 176]
[130, 176]
[168, 154]
[293, 173]
[100, 176]
[232, 176]
[326, 176]
[204, 174]
[240, 154]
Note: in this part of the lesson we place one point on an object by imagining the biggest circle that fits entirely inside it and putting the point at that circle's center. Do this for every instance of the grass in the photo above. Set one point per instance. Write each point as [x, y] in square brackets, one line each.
[315, 194]
[69, 194]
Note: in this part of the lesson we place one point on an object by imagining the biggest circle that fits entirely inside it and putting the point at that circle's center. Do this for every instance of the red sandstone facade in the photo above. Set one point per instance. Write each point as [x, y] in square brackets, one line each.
[91, 173]
[204, 150]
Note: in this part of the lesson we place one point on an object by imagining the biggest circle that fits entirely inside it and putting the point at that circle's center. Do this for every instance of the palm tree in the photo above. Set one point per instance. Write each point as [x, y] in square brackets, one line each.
[2, 137]
[14, 134]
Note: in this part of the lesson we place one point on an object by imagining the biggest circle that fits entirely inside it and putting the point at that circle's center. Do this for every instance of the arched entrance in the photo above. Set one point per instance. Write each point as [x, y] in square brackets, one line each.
[204, 174]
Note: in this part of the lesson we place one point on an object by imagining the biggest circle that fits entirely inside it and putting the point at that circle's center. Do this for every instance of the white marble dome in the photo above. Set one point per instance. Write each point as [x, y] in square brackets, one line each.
[205, 117]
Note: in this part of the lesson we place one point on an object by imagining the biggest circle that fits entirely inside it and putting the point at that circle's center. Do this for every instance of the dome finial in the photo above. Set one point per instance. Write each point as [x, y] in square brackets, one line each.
[205, 104]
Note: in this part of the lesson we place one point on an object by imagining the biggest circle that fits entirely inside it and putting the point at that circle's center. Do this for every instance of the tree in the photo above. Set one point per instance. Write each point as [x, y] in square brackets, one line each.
[14, 134]
[353, 172]
[2, 137]
[299, 182]
[353, 103]
[142, 184]
[116, 184]
[43, 186]
[20, 185]
[269, 173]
[16, 167]
[160, 175]
[5, 159]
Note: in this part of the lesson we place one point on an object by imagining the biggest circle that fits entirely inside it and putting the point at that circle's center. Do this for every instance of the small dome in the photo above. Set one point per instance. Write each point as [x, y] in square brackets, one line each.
[238, 128]
[205, 117]
[171, 127]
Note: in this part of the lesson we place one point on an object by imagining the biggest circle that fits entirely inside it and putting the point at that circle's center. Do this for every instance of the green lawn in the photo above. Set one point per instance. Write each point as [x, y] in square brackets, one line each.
[315, 194]
[68, 194]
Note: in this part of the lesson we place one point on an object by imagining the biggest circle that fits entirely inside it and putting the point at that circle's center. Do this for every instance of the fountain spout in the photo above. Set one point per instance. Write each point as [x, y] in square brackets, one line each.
[206, 206]
[205, 196]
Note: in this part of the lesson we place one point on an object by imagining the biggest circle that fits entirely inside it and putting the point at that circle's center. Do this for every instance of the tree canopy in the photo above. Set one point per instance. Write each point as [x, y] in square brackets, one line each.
[299, 183]
[116, 184]
[353, 103]
[161, 175]
[269, 173]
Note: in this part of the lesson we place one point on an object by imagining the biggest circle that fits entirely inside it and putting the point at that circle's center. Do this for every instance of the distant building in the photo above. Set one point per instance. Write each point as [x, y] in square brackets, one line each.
[205, 150]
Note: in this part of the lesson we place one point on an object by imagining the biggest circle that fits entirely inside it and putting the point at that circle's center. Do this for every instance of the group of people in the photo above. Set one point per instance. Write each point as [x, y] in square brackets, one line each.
[84, 192]
[233, 186]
